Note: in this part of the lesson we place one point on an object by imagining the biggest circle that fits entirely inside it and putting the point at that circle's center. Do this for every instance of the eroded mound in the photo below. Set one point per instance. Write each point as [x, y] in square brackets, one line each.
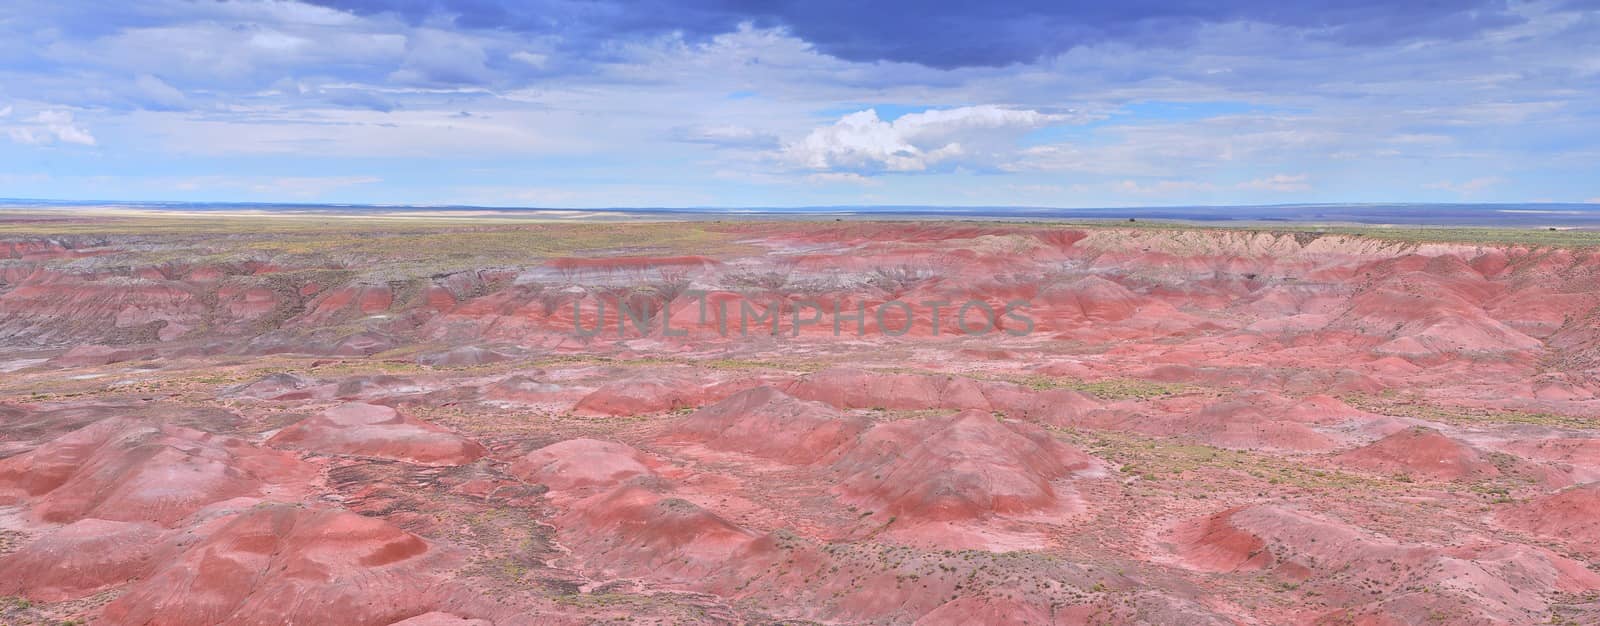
[378, 431]
[1480, 583]
[437, 618]
[1255, 420]
[277, 386]
[283, 564]
[857, 389]
[463, 356]
[631, 530]
[962, 466]
[582, 463]
[524, 389]
[849, 388]
[638, 397]
[80, 559]
[1571, 516]
[132, 470]
[768, 423]
[1422, 452]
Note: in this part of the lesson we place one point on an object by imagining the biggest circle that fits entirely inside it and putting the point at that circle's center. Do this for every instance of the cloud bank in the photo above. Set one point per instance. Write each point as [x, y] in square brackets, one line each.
[707, 102]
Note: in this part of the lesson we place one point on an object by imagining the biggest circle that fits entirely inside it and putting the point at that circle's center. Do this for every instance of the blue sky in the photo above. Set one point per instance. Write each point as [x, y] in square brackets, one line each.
[593, 103]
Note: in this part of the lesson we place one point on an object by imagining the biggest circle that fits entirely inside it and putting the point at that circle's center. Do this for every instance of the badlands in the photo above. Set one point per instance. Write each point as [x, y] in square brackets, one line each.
[479, 421]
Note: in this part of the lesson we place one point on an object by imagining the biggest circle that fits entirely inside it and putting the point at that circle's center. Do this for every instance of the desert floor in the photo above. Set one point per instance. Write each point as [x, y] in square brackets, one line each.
[338, 420]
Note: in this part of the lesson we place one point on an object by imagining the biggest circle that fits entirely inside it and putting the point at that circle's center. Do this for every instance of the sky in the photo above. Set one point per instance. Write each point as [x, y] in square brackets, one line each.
[717, 103]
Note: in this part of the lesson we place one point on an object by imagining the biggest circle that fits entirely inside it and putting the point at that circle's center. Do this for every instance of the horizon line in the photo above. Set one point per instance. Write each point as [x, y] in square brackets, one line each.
[9, 203]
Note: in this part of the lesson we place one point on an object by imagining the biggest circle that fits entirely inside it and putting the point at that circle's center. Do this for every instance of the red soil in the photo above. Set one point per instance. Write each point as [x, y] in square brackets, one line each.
[630, 264]
[582, 463]
[1216, 544]
[857, 389]
[1092, 299]
[632, 531]
[437, 618]
[1570, 516]
[963, 466]
[80, 559]
[462, 356]
[963, 611]
[285, 564]
[1421, 452]
[1275, 413]
[348, 302]
[1341, 563]
[128, 470]
[768, 423]
[1257, 422]
[524, 389]
[634, 397]
[646, 394]
[378, 431]
[280, 386]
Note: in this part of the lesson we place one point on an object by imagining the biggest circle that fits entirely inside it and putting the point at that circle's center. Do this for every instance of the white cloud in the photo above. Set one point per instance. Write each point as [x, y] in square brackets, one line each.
[306, 186]
[1594, 200]
[157, 94]
[861, 142]
[1168, 149]
[24, 135]
[345, 132]
[5, 112]
[727, 136]
[1469, 187]
[438, 57]
[1285, 103]
[532, 59]
[13, 179]
[229, 55]
[1162, 187]
[282, 186]
[580, 197]
[48, 127]
[842, 177]
[1036, 189]
[1278, 182]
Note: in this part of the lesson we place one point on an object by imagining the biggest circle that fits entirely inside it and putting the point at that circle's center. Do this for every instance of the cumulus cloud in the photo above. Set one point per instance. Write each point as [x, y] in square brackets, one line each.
[975, 136]
[1278, 182]
[48, 127]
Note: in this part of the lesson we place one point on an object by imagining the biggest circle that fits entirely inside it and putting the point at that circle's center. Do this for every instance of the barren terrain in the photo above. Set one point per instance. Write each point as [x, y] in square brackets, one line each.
[250, 420]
